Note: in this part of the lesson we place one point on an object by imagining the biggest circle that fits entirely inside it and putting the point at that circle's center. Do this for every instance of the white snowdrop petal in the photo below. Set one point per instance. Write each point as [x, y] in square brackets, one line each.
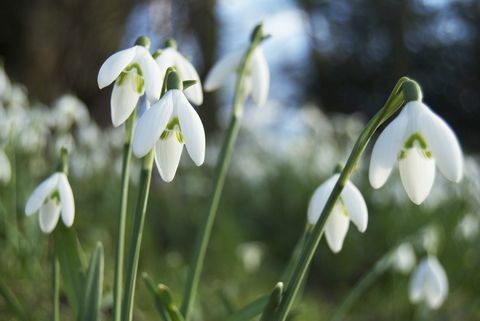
[191, 127]
[114, 65]
[222, 69]
[151, 74]
[123, 100]
[167, 156]
[151, 125]
[319, 199]
[417, 173]
[386, 149]
[356, 206]
[188, 72]
[260, 76]
[40, 194]
[336, 228]
[437, 290]
[417, 282]
[443, 143]
[66, 200]
[165, 60]
[48, 216]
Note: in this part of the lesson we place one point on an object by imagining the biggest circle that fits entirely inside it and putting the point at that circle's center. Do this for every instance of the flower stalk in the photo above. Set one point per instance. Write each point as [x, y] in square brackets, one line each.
[203, 236]
[405, 90]
[122, 217]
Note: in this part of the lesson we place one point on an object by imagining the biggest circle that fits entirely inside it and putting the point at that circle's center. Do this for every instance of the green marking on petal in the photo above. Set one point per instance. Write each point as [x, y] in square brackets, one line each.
[415, 137]
[55, 195]
[343, 207]
[179, 136]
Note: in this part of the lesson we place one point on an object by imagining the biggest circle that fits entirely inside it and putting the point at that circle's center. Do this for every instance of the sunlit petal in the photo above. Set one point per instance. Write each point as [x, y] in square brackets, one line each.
[41, 193]
[188, 72]
[67, 202]
[319, 198]
[260, 76]
[192, 128]
[336, 228]
[356, 206]
[167, 156]
[151, 74]
[114, 65]
[417, 173]
[386, 149]
[219, 73]
[443, 143]
[151, 125]
[124, 99]
[48, 215]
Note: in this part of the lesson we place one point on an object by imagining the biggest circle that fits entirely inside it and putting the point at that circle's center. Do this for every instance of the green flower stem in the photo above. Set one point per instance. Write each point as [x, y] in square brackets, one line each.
[203, 236]
[136, 237]
[396, 100]
[122, 217]
[55, 287]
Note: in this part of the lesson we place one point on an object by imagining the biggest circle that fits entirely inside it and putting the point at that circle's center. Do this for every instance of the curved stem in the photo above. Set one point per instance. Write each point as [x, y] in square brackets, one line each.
[203, 236]
[394, 102]
[136, 237]
[122, 217]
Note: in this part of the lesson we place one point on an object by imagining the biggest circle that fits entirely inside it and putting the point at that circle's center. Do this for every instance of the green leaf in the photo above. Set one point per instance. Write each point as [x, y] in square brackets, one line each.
[12, 302]
[72, 265]
[93, 287]
[152, 288]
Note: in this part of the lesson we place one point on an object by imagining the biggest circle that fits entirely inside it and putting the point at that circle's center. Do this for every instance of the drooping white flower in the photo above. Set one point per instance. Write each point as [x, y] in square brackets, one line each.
[257, 80]
[166, 126]
[403, 259]
[170, 57]
[5, 168]
[134, 71]
[419, 139]
[349, 206]
[52, 198]
[429, 283]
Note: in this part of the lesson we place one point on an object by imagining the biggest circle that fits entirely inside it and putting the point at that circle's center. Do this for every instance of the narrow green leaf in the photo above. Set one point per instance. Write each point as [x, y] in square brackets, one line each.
[251, 310]
[93, 287]
[273, 302]
[152, 288]
[12, 302]
[166, 298]
[72, 265]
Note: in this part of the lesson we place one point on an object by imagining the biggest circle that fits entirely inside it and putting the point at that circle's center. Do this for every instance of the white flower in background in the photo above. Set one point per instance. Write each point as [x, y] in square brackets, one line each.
[5, 168]
[257, 80]
[170, 57]
[403, 259]
[52, 198]
[5, 84]
[134, 71]
[349, 206]
[69, 110]
[468, 227]
[419, 140]
[251, 254]
[167, 126]
[429, 283]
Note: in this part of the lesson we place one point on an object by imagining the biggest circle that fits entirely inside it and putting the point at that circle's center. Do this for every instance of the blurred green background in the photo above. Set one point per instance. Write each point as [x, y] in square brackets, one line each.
[332, 64]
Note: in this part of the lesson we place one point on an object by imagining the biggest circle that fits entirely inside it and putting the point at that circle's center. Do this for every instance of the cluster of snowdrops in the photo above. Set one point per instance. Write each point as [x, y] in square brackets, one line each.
[152, 98]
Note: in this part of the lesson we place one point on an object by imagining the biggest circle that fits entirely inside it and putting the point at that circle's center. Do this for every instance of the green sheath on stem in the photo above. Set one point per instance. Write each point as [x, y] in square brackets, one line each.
[203, 236]
[394, 103]
[122, 217]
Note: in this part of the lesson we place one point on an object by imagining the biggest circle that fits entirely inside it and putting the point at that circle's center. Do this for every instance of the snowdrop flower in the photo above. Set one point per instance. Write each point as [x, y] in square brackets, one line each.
[429, 283]
[134, 71]
[403, 259]
[170, 57]
[349, 206]
[257, 79]
[167, 126]
[52, 198]
[419, 139]
[5, 168]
